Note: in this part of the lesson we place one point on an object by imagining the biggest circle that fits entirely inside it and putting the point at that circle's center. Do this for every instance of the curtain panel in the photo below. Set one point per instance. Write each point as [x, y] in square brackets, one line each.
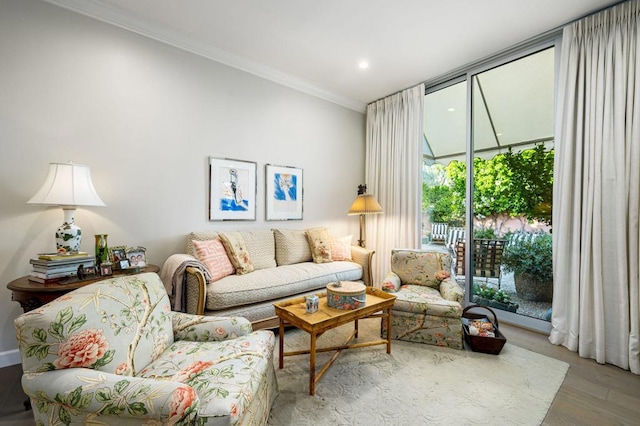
[596, 234]
[393, 174]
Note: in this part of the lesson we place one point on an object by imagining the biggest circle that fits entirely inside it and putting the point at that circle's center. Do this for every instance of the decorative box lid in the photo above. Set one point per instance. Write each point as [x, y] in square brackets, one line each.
[346, 288]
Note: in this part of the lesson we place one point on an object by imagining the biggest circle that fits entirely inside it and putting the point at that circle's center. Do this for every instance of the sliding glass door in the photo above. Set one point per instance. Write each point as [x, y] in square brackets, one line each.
[488, 177]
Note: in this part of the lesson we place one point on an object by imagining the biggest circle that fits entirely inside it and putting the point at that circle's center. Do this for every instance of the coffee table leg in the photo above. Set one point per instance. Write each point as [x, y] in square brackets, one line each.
[312, 365]
[388, 310]
[356, 329]
[281, 343]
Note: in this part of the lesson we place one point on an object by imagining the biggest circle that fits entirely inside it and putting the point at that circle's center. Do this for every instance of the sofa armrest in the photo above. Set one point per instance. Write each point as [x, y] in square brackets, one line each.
[198, 328]
[364, 258]
[450, 290]
[195, 291]
[76, 395]
[391, 283]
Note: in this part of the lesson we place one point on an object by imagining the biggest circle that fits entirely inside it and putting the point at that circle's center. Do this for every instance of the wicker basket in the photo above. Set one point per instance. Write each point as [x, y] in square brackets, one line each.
[487, 345]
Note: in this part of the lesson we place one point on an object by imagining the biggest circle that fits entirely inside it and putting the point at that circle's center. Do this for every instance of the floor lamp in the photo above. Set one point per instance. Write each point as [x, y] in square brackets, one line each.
[362, 205]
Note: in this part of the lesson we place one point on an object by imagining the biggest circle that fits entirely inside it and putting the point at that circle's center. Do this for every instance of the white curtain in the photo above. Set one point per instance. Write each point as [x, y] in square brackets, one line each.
[596, 298]
[393, 174]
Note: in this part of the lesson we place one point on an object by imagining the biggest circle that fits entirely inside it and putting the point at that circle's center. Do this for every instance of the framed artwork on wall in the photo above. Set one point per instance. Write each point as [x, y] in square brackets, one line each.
[232, 189]
[283, 192]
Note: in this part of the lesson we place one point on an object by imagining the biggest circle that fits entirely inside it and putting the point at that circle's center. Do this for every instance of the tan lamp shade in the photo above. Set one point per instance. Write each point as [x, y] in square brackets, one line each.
[362, 205]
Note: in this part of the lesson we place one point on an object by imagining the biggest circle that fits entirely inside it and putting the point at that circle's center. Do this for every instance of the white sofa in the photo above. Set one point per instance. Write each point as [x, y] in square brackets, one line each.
[283, 268]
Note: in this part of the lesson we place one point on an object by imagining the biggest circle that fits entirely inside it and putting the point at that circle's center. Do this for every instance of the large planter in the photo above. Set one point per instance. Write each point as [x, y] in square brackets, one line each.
[510, 307]
[529, 287]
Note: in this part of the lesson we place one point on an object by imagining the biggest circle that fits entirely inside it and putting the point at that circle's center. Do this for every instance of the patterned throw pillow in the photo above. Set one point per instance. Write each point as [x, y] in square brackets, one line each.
[340, 248]
[214, 257]
[237, 252]
[261, 247]
[291, 247]
[319, 244]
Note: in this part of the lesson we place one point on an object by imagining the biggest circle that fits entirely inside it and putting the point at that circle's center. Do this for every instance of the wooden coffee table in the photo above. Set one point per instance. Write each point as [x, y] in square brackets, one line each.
[293, 312]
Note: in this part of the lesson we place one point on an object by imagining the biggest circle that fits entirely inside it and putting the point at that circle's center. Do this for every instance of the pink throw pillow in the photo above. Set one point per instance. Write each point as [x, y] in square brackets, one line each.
[214, 257]
[341, 248]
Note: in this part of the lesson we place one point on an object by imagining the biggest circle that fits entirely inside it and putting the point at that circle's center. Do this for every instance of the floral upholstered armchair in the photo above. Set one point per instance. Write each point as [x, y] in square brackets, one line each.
[428, 305]
[113, 352]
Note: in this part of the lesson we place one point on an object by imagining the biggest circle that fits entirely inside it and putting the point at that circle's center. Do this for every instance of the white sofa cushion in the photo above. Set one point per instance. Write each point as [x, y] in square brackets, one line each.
[277, 283]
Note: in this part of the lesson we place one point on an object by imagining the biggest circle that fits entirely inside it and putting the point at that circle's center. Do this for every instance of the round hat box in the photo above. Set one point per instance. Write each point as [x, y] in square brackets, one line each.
[346, 295]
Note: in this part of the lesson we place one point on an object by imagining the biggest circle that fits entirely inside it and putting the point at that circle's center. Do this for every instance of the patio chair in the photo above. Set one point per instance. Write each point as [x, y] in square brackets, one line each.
[487, 258]
[454, 234]
[439, 232]
[428, 305]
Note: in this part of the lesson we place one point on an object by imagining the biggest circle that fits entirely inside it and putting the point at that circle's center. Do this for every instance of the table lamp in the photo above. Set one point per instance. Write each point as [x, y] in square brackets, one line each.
[67, 185]
[362, 205]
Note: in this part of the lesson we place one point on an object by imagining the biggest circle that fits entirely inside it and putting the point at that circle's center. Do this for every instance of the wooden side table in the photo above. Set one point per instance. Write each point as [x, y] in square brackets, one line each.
[31, 295]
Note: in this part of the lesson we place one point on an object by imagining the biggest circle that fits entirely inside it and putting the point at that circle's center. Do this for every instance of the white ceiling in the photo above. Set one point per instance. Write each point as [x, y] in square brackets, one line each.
[316, 45]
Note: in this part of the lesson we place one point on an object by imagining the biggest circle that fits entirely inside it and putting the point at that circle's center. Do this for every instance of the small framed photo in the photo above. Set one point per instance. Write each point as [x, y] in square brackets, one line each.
[283, 192]
[86, 272]
[106, 269]
[116, 254]
[137, 257]
[124, 264]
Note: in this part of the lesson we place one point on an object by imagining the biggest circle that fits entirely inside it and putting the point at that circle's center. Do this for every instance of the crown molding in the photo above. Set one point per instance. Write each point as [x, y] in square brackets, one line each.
[115, 16]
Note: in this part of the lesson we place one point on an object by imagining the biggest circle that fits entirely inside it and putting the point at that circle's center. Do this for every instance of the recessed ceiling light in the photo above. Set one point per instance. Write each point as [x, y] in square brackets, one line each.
[363, 65]
[451, 109]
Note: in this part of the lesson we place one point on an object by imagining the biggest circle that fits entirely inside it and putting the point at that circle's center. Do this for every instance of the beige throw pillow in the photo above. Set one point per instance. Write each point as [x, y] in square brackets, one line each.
[237, 252]
[319, 245]
[261, 247]
[291, 246]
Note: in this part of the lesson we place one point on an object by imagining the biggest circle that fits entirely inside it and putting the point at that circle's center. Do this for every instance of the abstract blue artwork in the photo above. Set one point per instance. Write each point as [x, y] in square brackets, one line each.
[232, 189]
[283, 193]
[285, 187]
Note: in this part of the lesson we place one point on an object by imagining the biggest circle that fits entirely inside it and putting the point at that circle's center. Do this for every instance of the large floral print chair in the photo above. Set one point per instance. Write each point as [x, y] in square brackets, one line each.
[428, 305]
[113, 352]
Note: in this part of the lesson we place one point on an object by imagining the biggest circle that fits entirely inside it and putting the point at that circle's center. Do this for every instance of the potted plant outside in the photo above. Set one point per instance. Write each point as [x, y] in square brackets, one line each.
[486, 295]
[530, 259]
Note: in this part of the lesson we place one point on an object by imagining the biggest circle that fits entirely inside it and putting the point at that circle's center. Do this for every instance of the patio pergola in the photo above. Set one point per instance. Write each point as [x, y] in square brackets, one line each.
[513, 106]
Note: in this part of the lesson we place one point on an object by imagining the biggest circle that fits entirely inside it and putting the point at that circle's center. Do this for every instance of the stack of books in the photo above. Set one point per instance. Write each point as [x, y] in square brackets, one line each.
[55, 267]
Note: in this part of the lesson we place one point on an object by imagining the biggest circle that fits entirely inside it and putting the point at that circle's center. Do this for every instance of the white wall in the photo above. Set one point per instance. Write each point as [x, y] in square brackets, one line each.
[145, 117]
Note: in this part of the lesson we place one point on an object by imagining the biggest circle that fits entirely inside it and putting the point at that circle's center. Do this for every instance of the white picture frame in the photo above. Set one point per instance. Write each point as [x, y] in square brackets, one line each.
[232, 189]
[283, 193]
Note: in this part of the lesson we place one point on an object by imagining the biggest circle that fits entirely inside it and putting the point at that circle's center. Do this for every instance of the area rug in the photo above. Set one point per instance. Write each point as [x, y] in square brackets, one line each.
[416, 384]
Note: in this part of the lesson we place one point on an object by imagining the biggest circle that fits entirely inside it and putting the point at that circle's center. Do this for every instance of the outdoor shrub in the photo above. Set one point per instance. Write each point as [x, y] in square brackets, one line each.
[530, 256]
[490, 293]
[485, 233]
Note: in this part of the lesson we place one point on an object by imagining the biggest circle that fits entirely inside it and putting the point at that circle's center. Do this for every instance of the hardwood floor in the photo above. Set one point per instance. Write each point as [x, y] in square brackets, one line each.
[592, 394]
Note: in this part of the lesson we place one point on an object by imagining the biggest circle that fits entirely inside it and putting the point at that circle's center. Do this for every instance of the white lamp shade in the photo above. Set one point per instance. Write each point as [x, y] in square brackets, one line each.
[67, 184]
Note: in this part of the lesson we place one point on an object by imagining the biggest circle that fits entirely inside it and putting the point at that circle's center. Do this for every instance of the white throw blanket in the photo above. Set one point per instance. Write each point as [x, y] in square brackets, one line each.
[174, 277]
